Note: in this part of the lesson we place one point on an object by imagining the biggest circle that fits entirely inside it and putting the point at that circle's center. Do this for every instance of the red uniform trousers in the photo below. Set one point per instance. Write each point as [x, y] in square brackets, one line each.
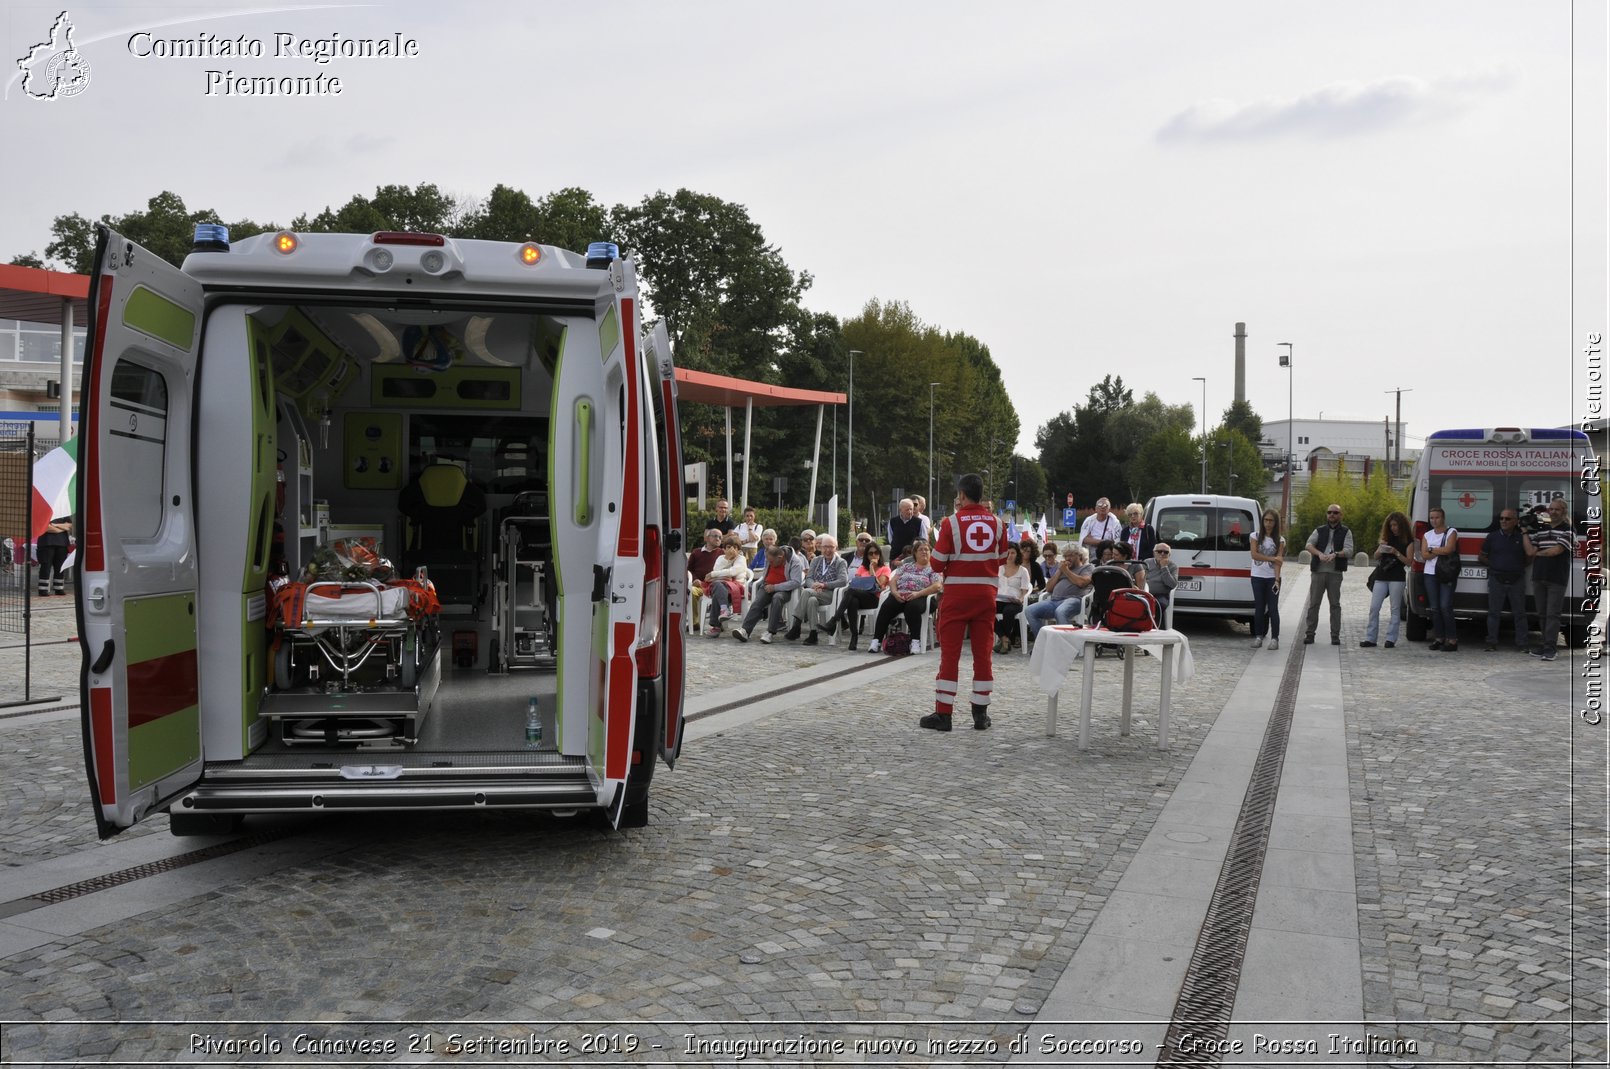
[965, 611]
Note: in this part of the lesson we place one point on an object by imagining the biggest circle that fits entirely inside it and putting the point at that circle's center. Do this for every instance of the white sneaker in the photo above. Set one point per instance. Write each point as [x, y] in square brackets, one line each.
[916, 646]
[874, 646]
[1274, 643]
[1257, 643]
[740, 634]
[765, 636]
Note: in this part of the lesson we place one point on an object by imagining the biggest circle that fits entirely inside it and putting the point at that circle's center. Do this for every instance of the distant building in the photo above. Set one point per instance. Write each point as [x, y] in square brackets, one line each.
[1360, 444]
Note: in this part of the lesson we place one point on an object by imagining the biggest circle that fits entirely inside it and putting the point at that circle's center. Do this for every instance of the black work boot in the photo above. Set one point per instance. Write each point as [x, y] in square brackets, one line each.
[793, 632]
[935, 722]
[981, 718]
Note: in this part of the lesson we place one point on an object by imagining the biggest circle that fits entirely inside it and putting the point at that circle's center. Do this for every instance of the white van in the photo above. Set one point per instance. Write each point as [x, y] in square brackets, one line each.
[1211, 539]
[267, 427]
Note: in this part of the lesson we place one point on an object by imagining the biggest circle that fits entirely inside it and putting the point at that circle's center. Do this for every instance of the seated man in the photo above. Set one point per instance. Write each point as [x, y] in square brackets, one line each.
[1064, 603]
[825, 575]
[785, 570]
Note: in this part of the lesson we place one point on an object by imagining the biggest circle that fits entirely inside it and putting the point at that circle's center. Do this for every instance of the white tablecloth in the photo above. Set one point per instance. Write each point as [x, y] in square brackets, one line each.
[1059, 647]
[1050, 661]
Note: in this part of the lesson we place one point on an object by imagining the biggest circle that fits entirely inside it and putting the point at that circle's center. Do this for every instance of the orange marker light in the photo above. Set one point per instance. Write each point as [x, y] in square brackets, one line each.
[529, 253]
[285, 242]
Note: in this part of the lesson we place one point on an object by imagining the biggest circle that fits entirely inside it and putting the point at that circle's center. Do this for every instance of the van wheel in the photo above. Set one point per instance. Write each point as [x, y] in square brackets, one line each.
[1415, 627]
[282, 667]
[205, 823]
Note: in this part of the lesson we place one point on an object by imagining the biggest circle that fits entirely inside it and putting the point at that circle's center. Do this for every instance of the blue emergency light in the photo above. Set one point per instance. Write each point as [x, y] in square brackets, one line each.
[210, 237]
[602, 253]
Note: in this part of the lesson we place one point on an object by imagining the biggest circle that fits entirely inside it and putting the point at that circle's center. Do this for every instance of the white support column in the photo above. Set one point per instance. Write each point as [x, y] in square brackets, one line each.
[816, 463]
[749, 423]
[66, 371]
[726, 488]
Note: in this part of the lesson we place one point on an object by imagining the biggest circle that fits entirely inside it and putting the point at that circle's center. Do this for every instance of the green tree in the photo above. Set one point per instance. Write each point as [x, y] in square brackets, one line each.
[1229, 453]
[725, 294]
[1167, 463]
[1365, 505]
[1240, 417]
[27, 259]
[1077, 452]
[166, 227]
[425, 209]
[568, 218]
[1132, 427]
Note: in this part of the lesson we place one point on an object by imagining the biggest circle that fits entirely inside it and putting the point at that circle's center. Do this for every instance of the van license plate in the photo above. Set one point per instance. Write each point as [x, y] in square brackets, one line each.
[371, 771]
[1189, 584]
[1473, 571]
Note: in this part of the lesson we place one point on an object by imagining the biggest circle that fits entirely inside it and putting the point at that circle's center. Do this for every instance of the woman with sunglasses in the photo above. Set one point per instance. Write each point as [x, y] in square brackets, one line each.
[1162, 576]
[1268, 554]
[867, 581]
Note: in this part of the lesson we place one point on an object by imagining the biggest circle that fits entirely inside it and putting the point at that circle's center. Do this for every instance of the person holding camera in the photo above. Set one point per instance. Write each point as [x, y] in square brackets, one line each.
[1391, 575]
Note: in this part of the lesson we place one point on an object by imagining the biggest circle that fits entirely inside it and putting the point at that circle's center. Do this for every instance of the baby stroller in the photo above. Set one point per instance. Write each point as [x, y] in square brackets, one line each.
[1103, 581]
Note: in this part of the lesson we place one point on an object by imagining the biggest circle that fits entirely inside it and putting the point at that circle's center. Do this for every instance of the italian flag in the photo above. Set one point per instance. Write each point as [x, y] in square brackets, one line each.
[55, 486]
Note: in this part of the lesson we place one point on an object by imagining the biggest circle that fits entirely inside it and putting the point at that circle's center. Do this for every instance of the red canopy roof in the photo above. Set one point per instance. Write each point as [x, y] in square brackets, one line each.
[35, 295]
[707, 389]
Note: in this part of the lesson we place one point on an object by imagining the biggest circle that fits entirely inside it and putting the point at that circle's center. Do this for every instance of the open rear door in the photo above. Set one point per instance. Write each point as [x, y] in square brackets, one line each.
[596, 503]
[137, 609]
[663, 375]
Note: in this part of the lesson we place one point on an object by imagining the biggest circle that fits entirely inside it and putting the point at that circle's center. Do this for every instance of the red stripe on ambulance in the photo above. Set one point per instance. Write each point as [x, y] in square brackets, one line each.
[94, 536]
[100, 715]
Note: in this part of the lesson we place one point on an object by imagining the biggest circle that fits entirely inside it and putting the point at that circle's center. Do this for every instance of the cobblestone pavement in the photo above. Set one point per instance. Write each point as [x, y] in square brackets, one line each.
[1480, 873]
[831, 872]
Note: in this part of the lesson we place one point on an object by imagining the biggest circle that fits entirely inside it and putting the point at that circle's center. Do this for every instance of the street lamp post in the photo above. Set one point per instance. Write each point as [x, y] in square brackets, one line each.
[931, 386]
[1288, 362]
[849, 439]
[1203, 381]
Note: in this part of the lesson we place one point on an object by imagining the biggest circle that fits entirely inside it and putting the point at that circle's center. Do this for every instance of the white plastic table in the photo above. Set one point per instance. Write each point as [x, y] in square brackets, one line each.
[1058, 648]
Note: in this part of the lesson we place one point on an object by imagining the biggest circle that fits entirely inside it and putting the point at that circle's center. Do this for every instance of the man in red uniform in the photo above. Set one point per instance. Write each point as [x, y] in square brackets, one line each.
[968, 552]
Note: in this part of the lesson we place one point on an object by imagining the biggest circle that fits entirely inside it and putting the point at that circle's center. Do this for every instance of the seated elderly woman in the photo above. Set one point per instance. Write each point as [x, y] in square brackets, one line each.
[1067, 585]
[910, 591]
[768, 542]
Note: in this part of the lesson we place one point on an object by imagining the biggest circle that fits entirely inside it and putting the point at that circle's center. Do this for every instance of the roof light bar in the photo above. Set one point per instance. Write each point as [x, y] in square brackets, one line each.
[408, 237]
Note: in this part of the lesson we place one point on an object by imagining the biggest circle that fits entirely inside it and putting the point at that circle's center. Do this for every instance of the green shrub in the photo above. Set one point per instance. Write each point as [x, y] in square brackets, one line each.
[1365, 506]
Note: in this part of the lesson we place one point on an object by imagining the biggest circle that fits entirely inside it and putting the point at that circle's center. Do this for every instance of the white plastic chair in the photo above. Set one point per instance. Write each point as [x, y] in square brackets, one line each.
[1022, 625]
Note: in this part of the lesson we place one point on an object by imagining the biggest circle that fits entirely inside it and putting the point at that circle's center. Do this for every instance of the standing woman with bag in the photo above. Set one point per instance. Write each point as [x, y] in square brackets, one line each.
[1389, 578]
[1439, 548]
[1268, 555]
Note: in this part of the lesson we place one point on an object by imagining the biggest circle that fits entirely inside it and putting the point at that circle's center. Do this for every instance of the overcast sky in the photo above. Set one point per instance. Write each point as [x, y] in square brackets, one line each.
[1087, 188]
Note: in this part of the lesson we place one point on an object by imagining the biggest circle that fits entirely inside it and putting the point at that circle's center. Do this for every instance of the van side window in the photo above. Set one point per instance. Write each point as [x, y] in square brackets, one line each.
[1186, 529]
[1235, 529]
[138, 425]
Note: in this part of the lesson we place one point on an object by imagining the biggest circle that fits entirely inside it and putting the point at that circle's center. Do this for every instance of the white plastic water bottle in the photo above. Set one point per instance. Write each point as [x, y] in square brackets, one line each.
[533, 726]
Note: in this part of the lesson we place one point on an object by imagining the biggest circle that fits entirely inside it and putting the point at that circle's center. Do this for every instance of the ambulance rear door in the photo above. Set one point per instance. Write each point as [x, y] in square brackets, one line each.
[662, 378]
[596, 504]
[137, 608]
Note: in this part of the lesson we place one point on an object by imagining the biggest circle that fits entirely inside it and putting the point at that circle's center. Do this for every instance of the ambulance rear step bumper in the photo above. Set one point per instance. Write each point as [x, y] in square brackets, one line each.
[279, 796]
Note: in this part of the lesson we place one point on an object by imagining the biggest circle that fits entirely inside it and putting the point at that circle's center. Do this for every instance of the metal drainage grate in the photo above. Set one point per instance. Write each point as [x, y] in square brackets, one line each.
[137, 872]
[1207, 997]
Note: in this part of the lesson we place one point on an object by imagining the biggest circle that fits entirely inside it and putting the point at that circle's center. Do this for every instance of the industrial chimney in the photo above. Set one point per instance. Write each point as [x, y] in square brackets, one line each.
[1240, 362]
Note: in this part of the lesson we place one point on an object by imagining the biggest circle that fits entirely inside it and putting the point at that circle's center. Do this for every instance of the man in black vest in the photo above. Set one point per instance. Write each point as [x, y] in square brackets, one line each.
[1329, 548]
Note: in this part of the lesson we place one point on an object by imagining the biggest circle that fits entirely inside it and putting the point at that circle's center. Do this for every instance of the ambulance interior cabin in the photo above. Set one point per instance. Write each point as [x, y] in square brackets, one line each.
[414, 436]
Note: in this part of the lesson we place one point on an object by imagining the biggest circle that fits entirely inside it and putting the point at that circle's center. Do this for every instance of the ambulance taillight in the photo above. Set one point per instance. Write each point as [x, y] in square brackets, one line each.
[648, 646]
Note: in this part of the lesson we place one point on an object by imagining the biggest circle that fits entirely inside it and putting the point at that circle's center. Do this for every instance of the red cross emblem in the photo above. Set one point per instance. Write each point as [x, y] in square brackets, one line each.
[1466, 500]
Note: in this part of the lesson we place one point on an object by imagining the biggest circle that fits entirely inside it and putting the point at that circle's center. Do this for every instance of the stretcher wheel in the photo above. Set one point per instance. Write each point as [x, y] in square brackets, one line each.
[282, 667]
[408, 669]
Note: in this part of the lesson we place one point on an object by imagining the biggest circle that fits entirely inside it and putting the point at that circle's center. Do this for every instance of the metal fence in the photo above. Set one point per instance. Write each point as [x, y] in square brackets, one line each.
[19, 448]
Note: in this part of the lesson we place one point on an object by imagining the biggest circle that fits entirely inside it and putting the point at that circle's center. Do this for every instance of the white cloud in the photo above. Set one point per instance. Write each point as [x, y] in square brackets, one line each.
[1340, 109]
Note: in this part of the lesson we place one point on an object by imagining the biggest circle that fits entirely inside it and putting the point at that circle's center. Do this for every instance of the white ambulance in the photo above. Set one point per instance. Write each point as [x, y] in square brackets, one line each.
[1473, 474]
[376, 522]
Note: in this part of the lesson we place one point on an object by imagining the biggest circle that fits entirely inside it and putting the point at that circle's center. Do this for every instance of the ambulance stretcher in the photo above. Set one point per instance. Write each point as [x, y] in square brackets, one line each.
[354, 663]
